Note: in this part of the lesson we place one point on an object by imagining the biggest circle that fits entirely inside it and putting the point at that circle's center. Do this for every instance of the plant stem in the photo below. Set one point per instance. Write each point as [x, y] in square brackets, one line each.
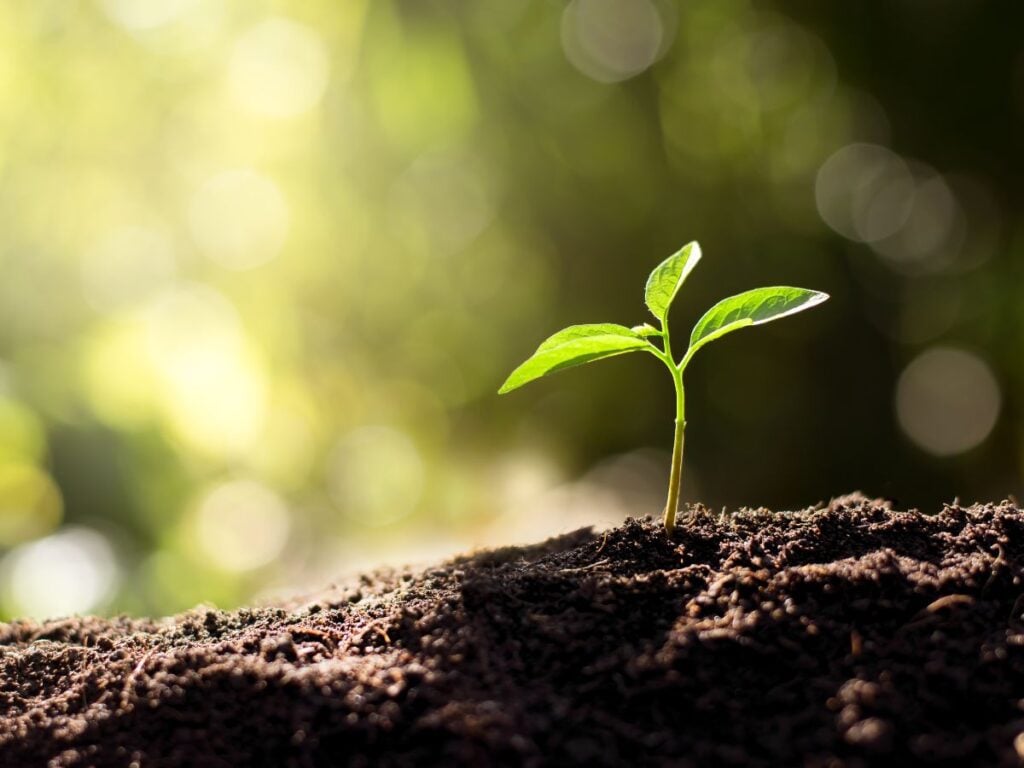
[675, 479]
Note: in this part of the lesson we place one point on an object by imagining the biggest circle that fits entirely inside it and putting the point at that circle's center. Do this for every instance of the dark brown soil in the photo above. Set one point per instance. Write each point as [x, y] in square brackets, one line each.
[846, 636]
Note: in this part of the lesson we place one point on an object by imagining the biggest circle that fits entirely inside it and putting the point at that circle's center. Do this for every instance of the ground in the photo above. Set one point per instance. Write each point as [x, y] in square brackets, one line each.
[848, 635]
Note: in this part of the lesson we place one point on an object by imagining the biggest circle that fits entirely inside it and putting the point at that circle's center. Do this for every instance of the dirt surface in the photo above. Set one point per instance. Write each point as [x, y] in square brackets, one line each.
[845, 636]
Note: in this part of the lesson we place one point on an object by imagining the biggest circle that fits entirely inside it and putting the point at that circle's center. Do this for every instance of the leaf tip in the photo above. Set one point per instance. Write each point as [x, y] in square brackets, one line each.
[665, 281]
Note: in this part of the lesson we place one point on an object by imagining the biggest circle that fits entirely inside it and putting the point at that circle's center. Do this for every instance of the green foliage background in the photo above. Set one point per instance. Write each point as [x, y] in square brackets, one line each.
[265, 264]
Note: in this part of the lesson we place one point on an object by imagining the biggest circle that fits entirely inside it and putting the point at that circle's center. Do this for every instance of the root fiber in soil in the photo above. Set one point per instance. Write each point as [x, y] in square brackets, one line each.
[851, 635]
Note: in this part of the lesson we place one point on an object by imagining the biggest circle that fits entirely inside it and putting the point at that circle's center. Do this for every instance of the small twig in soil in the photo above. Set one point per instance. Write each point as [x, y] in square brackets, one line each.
[948, 600]
[319, 636]
[374, 626]
[603, 561]
[129, 681]
[928, 613]
[999, 561]
[856, 643]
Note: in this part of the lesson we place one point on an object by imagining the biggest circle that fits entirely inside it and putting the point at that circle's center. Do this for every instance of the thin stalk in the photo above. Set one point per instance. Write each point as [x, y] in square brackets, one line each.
[675, 480]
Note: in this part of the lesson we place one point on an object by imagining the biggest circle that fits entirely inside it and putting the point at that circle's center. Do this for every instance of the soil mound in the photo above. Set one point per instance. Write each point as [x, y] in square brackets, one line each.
[851, 635]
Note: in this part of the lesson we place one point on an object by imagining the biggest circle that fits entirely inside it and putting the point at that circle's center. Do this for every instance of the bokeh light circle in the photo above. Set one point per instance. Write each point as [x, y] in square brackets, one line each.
[933, 235]
[211, 386]
[278, 68]
[947, 401]
[864, 192]
[242, 525]
[239, 218]
[144, 15]
[71, 572]
[612, 40]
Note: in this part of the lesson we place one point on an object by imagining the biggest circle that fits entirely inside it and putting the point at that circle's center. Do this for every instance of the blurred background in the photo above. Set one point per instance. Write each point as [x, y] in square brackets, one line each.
[264, 265]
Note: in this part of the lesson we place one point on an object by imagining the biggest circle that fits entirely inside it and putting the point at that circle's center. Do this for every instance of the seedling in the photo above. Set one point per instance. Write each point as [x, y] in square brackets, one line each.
[579, 344]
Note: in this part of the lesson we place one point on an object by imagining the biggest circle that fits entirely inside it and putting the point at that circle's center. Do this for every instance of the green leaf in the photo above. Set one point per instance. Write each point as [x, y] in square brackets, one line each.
[572, 346]
[585, 330]
[667, 278]
[756, 307]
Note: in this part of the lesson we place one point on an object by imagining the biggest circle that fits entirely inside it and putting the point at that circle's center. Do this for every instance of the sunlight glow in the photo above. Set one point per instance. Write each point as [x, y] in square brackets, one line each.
[71, 572]
[22, 437]
[140, 15]
[242, 525]
[239, 219]
[127, 266]
[375, 475]
[536, 502]
[213, 389]
[278, 69]
[446, 197]
[30, 503]
[117, 375]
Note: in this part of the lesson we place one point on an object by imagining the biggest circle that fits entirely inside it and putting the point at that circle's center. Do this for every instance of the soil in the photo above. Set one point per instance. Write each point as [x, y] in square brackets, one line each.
[850, 635]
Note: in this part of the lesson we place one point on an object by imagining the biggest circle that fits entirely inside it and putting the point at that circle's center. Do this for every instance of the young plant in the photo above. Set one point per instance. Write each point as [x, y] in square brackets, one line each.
[579, 344]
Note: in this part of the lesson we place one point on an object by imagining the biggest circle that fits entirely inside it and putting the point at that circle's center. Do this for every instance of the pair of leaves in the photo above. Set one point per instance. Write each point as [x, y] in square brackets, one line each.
[579, 344]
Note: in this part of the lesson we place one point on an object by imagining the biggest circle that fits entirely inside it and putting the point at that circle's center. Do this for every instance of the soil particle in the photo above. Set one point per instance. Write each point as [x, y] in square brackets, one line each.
[851, 635]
